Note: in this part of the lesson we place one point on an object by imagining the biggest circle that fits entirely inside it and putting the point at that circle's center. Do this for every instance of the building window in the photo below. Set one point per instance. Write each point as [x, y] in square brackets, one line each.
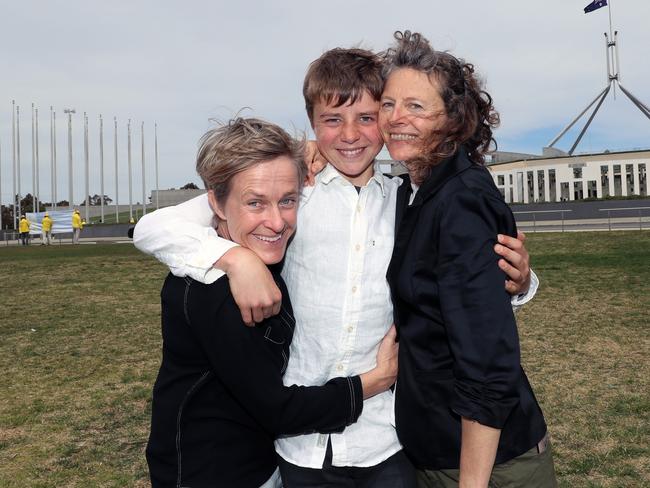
[551, 183]
[577, 173]
[629, 178]
[604, 180]
[541, 185]
[510, 175]
[643, 183]
[564, 191]
[530, 187]
[501, 180]
[592, 189]
[577, 190]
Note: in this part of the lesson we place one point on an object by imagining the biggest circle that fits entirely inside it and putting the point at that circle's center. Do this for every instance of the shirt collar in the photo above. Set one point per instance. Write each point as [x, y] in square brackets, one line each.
[330, 173]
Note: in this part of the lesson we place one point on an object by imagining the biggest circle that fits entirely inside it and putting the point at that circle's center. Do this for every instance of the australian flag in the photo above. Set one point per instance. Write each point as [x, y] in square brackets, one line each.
[595, 5]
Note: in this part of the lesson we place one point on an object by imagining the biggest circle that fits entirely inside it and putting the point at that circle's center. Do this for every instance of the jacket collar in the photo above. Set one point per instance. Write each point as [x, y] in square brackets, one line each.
[440, 173]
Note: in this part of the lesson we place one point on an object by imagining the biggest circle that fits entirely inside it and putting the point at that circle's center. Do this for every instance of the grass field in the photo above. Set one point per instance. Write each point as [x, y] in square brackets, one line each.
[80, 348]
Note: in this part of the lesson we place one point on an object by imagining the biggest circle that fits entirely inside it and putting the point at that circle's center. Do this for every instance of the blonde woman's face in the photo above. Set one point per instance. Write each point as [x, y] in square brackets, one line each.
[260, 211]
[411, 111]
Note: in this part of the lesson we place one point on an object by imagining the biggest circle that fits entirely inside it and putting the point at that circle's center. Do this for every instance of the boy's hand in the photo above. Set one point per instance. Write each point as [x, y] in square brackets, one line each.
[516, 262]
[251, 284]
[315, 162]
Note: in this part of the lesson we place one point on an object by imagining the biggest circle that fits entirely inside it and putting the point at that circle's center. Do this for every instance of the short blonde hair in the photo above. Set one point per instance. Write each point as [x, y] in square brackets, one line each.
[241, 144]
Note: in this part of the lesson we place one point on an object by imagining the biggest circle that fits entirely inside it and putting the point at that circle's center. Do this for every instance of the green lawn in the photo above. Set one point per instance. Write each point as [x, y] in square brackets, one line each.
[80, 348]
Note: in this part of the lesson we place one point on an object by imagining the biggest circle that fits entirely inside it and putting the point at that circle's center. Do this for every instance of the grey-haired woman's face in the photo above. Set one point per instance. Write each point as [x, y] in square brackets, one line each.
[410, 113]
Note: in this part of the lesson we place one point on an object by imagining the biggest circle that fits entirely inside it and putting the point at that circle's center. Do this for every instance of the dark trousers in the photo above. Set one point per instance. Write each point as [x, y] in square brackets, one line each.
[395, 472]
[24, 238]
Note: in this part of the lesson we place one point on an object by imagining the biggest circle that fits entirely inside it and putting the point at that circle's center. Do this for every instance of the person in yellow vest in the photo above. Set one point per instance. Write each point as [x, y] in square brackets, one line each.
[46, 229]
[77, 225]
[23, 228]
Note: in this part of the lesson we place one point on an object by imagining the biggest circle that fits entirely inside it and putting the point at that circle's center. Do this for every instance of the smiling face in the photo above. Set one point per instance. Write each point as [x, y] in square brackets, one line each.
[411, 111]
[259, 212]
[348, 136]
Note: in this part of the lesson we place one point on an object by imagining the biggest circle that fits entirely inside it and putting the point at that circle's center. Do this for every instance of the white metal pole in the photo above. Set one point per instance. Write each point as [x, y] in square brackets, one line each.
[144, 196]
[117, 176]
[34, 207]
[86, 177]
[128, 138]
[38, 172]
[13, 159]
[70, 187]
[156, 151]
[54, 176]
[18, 156]
[101, 166]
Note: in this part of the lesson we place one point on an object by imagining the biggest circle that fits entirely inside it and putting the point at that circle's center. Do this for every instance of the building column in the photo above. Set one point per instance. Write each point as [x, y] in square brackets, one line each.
[599, 184]
[515, 193]
[558, 186]
[525, 185]
[572, 191]
[637, 181]
[535, 187]
[623, 180]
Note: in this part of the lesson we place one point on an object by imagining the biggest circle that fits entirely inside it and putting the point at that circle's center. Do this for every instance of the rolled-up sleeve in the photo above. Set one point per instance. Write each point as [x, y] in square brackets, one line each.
[182, 238]
[476, 308]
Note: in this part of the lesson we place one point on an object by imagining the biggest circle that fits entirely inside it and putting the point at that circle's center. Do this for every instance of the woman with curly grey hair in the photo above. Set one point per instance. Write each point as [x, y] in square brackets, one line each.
[465, 411]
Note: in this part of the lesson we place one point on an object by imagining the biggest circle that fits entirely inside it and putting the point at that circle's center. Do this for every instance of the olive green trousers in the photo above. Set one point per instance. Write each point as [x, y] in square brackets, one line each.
[530, 470]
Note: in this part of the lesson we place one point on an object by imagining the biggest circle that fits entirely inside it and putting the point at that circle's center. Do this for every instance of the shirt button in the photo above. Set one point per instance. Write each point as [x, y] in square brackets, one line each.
[340, 367]
[358, 208]
[350, 329]
[357, 247]
[354, 289]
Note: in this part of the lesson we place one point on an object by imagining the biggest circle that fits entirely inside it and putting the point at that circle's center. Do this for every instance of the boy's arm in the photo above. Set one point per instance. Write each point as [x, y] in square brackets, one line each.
[182, 237]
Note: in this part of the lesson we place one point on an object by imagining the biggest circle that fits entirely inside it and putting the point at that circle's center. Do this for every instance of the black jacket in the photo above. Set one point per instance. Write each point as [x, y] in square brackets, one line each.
[219, 401]
[459, 347]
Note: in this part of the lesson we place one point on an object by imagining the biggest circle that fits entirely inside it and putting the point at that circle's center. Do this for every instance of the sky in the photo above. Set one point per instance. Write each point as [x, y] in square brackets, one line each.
[181, 65]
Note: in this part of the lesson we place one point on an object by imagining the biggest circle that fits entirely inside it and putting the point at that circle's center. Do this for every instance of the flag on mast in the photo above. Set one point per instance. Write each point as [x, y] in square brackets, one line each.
[595, 5]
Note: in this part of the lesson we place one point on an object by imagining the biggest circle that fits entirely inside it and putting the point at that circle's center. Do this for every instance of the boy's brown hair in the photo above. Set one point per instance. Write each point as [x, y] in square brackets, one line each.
[342, 75]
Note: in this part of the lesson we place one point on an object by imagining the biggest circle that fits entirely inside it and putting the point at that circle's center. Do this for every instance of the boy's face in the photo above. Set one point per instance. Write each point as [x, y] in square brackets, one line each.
[348, 136]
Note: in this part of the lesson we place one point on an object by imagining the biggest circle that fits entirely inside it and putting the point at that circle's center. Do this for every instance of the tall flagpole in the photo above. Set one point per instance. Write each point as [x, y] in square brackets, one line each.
[117, 194]
[18, 157]
[156, 151]
[33, 164]
[86, 178]
[70, 111]
[144, 196]
[54, 173]
[38, 183]
[128, 138]
[101, 166]
[13, 159]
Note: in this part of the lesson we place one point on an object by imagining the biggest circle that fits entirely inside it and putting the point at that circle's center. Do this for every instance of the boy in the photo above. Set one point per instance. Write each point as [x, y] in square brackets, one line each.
[335, 270]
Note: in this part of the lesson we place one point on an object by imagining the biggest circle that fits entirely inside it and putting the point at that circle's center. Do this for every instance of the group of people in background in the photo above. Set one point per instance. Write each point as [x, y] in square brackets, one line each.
[47, 224]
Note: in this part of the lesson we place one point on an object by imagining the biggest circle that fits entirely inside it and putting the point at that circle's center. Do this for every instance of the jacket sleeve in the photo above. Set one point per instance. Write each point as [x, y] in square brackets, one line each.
[182, 238]
[252, 371]
[476, 308]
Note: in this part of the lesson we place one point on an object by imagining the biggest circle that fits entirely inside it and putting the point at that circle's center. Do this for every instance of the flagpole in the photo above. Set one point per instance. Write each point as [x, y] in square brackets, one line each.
[33, 164]
[117, 205]
[128, 138]
[55, 198]
[156, 148]
[18, 156]
[101, 166]
[144, 196]
[38, 183]
[13, 157]
[86, 178]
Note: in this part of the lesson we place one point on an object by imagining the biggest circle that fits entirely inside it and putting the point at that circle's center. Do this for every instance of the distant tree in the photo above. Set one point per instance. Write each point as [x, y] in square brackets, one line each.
[97, 200]
[189, 186]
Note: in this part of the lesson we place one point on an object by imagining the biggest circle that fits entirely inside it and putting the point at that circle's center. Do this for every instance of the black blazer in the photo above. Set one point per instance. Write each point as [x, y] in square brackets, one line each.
[459, 347]
[219, 401]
